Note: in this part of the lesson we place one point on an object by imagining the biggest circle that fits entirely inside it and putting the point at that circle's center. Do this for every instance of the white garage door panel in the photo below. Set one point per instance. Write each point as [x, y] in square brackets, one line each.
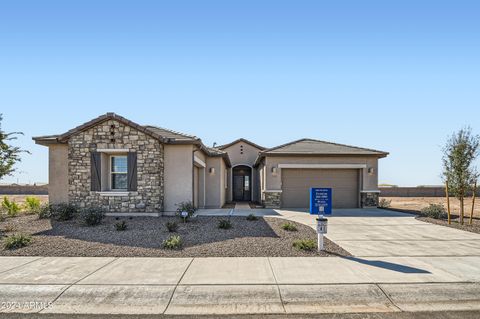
[296, 184]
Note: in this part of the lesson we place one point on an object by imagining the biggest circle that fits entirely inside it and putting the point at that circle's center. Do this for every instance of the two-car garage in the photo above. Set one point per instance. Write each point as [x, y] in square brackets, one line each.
[296, 184]
[287, 172]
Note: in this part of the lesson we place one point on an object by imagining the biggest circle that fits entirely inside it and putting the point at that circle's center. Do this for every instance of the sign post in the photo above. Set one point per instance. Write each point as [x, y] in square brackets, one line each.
[321, 204]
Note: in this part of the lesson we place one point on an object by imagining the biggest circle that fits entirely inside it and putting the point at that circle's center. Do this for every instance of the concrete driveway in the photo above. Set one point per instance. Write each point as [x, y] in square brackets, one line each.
[380, 233]
[384, 233]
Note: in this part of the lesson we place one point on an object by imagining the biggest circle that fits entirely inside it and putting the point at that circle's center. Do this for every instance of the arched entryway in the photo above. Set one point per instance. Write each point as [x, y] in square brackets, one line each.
[242, 183]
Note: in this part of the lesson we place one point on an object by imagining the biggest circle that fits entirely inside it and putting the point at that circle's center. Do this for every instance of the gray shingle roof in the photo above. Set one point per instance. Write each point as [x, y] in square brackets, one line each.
[311, 146]
[164, 135]
[308, 146]
[171, 134]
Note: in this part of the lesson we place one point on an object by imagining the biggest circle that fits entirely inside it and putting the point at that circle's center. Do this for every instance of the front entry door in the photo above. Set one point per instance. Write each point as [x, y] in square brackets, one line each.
[241, 188]
[238, 188]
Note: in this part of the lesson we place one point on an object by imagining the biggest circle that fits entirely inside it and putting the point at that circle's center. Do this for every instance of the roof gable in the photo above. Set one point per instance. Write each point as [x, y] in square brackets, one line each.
[241, 140]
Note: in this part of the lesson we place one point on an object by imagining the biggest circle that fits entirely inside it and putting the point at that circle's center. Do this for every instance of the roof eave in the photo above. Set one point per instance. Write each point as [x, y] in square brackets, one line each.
[322, 154]
[46, 140]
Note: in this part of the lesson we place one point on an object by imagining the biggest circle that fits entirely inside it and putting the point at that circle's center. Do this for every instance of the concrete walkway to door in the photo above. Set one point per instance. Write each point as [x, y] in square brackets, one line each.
[242, 206]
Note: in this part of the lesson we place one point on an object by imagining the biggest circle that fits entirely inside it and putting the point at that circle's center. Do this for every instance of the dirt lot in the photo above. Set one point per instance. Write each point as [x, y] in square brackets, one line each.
[144, 237]
[417, 203]
[20, 199]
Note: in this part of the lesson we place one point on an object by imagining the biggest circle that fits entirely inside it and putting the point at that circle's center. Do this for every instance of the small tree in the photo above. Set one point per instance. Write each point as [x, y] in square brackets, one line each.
[9, 155]
[459, 154]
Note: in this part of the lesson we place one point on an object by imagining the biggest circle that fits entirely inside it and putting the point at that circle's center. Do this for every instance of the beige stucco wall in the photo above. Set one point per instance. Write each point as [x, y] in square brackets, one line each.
[199, 179]
[274, 181]
[223, 184]
[178, 175]
[195, 186]
[213, 182]
[261, 180]
[58, 173]
[248, 158]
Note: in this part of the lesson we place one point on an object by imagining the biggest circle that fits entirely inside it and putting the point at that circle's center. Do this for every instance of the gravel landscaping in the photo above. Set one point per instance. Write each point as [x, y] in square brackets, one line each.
[144, 237]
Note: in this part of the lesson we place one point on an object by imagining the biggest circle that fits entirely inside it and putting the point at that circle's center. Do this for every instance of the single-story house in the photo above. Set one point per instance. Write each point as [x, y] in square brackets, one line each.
[125, 167]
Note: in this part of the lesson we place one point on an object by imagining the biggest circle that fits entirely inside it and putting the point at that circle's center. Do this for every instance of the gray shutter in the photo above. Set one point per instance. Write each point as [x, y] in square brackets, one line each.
[96, 171]
[132, 171]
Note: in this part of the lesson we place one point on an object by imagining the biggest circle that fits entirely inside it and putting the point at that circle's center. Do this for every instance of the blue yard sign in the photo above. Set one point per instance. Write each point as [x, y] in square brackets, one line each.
[320, 201]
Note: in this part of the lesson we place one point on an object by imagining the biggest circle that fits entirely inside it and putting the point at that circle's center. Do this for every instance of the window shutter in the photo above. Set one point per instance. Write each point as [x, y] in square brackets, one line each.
[96, 171]
[132, 171]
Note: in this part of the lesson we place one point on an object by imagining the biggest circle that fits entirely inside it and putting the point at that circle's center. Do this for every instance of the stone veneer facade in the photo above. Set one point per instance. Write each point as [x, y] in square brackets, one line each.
[272, 199]
[149, 196]
[369, 199]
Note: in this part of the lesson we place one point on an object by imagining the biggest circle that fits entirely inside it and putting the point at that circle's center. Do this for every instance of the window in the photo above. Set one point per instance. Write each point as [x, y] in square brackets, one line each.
[118, 172]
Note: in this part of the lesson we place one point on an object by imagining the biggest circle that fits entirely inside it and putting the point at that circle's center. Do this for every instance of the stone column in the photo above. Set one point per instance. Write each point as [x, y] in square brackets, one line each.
[272, 199]
[369, 199]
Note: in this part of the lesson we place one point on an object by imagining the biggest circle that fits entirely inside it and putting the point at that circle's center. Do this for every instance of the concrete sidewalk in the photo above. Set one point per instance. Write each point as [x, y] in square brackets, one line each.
[237, 285]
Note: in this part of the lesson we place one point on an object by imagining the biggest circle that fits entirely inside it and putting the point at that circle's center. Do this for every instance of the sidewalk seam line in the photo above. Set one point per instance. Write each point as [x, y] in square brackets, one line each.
[388, 297]
[29, 262]
[74, 283]
[178, 283]
[276, 283]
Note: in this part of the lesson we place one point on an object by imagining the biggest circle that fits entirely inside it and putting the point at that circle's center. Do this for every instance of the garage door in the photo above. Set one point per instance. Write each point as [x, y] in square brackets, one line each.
[296, 184]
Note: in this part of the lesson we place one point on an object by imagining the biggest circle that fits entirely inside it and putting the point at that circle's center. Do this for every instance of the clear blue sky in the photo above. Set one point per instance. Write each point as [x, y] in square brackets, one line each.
[398, 76]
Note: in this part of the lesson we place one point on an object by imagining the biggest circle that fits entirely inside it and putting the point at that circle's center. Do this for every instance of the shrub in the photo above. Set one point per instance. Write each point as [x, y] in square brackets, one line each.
[289, 227]
[11, 207]
[45, 211]
[93, 216]
[171, 227]
[173, 242]
[384, 203]
[305, 244]
[17, 241]
[63, 212]
[436, 211]
[32, 204]
[121, 226]
[185, 207]
[252, 217]
[224, 224]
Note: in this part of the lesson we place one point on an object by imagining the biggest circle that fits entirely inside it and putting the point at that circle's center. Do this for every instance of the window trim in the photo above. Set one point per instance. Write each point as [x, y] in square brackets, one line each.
[111, 173]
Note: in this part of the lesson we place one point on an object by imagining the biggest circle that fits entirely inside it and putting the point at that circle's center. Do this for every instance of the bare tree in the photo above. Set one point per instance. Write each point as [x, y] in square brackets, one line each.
[459, 154]
[9, 155]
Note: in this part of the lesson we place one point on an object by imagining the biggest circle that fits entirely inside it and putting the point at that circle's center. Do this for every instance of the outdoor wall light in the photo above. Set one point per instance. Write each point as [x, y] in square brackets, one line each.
[274, 170]
[371, 170]
[212, 170]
